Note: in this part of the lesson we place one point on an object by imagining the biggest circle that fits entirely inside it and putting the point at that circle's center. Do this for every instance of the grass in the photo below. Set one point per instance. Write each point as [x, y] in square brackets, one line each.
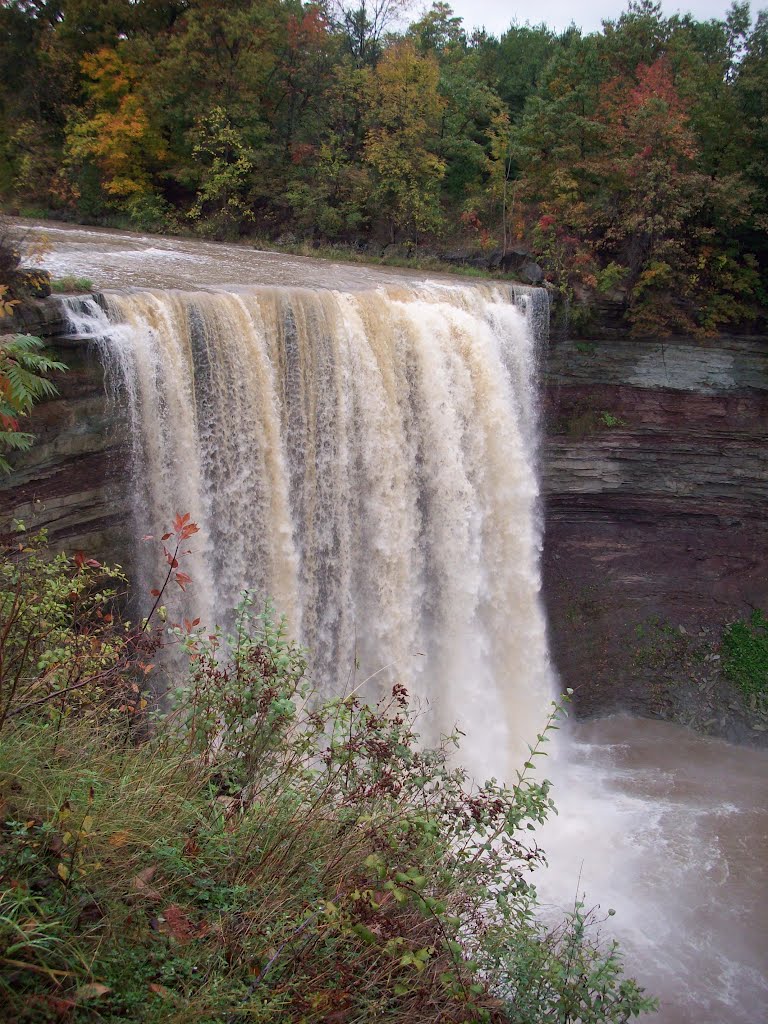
[248, 851]
[349, 254]
[70, 284]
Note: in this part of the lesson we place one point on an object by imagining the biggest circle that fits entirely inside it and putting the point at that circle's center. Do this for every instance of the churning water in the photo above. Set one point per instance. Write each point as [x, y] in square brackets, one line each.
[362, 448]
[365, 459]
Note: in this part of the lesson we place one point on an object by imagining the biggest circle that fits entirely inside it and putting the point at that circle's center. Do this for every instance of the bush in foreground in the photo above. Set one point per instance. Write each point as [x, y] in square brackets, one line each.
[250, 852]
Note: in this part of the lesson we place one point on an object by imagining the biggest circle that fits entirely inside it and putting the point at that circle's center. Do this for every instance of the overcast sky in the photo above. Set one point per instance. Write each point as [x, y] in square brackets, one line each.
[496, 15]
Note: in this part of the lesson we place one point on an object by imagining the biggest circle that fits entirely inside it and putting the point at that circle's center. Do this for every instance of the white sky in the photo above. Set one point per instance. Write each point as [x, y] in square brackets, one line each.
[496, 15]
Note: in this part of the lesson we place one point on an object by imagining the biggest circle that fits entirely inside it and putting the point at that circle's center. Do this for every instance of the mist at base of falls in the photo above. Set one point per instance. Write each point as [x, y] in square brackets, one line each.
[363, 449]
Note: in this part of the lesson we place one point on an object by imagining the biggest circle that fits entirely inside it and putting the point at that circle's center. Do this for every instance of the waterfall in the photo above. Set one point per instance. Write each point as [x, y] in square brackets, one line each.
[366, 459]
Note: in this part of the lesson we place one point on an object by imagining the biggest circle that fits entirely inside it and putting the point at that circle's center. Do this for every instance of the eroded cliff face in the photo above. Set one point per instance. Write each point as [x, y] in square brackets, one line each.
[73, 482]
[655, 474]
[655, 469]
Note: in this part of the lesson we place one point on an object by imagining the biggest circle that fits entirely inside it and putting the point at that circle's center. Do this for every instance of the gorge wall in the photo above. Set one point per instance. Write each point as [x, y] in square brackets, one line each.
[655, 475]
[655, 468]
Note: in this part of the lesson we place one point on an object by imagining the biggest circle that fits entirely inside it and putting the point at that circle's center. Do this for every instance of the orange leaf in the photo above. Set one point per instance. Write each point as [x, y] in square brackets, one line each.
[161, 990]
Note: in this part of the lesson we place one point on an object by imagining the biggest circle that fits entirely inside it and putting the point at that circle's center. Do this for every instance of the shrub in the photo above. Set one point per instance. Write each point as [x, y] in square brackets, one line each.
[23, 367]
[254, 852]
[745, 653]
[70, 283]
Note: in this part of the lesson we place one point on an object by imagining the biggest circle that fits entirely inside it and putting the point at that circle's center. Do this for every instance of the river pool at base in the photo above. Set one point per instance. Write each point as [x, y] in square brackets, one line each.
[669, 829]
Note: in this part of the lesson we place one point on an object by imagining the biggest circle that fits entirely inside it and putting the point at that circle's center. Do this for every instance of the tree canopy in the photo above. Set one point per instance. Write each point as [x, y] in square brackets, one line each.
[630, 161]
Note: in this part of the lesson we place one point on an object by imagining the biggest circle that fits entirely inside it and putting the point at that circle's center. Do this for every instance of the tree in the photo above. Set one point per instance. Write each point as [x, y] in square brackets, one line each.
[363, 24]
[399, 146]
[226, 164]
[116, 134]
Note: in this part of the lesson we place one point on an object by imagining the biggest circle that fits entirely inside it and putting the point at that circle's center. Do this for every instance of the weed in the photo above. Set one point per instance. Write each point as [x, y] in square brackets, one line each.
[253, 851]
[71, 284]
[608, 419]
[745, 653]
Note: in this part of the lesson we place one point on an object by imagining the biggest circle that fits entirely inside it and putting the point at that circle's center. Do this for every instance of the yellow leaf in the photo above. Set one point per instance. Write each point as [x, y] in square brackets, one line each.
[118, 839]
[87, 824]
[63, 872]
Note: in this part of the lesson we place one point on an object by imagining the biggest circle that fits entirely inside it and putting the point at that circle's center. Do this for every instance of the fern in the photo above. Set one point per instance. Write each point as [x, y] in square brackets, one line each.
[22, 383]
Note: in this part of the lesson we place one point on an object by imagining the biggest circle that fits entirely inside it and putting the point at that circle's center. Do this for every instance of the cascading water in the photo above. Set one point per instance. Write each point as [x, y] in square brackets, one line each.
[366, 460]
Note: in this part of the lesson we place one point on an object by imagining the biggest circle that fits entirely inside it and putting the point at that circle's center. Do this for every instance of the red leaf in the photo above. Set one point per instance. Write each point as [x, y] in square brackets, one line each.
[79, 559]
[182, 579]
[177, 924]
[147, 536]
[180, 521]
[167, 536]
[155, 592]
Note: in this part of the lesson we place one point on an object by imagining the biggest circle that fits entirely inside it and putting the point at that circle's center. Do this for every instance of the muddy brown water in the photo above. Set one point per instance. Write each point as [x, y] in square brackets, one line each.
[669, 829]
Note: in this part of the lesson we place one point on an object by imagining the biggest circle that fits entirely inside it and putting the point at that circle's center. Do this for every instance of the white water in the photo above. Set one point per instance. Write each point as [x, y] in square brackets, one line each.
[424, 396]
[366, 460]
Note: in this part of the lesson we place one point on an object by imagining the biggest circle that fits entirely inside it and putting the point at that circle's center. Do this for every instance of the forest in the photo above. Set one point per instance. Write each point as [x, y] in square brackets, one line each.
[630, 163]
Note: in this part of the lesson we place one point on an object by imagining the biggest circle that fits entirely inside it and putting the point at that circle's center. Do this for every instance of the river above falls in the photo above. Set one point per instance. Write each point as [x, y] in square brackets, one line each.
[124, 259]
[668, 828]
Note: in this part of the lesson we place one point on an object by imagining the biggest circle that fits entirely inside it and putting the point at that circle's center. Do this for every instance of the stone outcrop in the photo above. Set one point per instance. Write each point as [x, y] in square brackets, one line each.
[73, 481]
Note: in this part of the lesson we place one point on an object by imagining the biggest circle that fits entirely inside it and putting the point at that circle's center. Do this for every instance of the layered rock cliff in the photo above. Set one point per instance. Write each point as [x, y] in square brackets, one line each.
[655, 468]
[655, 474]
[73, 481]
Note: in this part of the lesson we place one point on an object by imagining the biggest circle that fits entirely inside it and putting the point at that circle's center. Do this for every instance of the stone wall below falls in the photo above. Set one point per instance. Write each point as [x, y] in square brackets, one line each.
[655, 477]
[73, 481]
[655, 472]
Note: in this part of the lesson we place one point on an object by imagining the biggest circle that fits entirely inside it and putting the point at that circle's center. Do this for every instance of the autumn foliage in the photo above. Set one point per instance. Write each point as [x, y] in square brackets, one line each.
[630, 161]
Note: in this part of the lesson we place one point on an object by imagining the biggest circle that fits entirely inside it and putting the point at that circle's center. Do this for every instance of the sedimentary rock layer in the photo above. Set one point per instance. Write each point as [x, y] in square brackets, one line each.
[655, 468]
